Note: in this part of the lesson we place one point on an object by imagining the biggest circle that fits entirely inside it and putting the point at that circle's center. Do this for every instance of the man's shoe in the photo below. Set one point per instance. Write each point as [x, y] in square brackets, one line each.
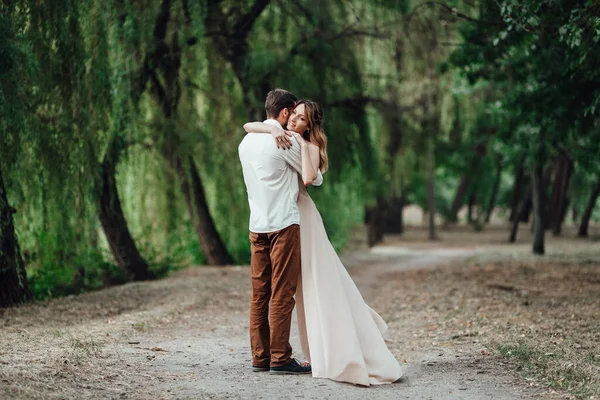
[259, 369]
[293, 368]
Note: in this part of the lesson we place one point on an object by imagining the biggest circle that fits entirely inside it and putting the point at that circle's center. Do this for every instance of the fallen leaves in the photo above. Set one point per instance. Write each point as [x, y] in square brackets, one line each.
[553, 307]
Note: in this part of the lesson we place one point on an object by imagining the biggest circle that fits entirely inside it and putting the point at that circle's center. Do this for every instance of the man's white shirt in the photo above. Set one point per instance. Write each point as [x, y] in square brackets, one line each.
[272, 182]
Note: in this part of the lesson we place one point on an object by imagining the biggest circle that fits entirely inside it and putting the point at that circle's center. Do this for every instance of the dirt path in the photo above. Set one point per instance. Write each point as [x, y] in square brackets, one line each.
[186, 337]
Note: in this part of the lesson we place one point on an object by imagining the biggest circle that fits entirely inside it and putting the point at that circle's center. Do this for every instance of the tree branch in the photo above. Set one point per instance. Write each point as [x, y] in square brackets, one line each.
[186, 12]
[159, 92]
[454, 11]
[346, 32]
[307, 13]
[362, 100]
[243, 25]
[152, 57]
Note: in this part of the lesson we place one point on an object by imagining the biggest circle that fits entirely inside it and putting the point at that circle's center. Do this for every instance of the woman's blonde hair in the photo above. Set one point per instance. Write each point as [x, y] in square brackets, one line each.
[314, 132]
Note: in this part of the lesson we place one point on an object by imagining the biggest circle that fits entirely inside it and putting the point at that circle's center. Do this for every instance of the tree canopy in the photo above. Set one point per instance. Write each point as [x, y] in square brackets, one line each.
[121, 121]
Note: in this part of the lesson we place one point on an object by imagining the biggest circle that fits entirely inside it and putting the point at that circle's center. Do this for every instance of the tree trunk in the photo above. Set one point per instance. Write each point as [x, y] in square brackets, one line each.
[461, 191]
[213, 247]
[373, 219]
[402, 202]
[254, 95]
[171, 207]
[167, 94]
[122, 245]
[210, 241]
[547, 173]
[589, 209]
[516, 197]
[431, 185]
[392, 220]
[191, 185]
[471, 204]
[523, 208]
[574, 213]
[479, 152]
[558, 201]
[14, 287]
[234, 48]
[565, 211]
[514, 230]
[495, 189]
[537, 195]
[525, 211]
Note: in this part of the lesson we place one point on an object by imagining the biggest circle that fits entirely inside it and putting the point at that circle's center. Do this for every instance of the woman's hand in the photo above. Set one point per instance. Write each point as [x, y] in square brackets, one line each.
[281, 138]
[303, 143]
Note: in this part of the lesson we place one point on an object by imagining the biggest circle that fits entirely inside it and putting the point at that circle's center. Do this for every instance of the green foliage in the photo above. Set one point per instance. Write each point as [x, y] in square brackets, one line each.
[75, 89]
[77, 65]
[83, 272]
[338, 220]
[541, 56]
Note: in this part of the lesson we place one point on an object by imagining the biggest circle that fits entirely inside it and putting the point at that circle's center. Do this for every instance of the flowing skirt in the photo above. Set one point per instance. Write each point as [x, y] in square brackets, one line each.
[340, 335]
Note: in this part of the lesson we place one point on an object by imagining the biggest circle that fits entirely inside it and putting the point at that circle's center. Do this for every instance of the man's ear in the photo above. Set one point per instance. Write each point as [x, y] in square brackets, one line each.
[285, 113]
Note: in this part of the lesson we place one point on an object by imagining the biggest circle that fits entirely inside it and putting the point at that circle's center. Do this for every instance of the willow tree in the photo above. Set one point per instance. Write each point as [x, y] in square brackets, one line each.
[96, 35]
[14, 286]
[252, 48]
[160, 76]
[62, 98]
[316, 51]
[229, 25]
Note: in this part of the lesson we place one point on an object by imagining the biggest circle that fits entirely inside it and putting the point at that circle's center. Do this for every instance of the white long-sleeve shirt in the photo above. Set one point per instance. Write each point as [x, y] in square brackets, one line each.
[271, 177]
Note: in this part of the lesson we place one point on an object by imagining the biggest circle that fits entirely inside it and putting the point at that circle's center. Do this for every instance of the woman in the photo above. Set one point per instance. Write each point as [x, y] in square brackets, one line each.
[340, 335]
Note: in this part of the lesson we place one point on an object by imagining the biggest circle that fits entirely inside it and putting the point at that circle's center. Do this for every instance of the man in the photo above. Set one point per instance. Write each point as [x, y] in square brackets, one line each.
[271, 177]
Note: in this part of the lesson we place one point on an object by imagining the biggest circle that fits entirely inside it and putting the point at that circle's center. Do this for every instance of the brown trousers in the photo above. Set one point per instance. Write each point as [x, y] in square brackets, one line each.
[274, 269]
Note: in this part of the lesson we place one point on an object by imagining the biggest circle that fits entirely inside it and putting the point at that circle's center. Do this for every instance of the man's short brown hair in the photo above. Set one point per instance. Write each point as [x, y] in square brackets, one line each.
[277, 100]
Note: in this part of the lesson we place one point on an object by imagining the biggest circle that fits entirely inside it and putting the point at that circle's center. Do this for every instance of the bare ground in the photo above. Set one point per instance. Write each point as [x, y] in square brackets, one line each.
[451, 305]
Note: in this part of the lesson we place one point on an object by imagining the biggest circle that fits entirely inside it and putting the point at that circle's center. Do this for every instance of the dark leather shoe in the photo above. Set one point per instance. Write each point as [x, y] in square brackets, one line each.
[293, 368]
[256, 368]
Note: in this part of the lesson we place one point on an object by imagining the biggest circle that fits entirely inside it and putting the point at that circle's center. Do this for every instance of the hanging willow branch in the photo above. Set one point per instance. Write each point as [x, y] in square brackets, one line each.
[452, 10]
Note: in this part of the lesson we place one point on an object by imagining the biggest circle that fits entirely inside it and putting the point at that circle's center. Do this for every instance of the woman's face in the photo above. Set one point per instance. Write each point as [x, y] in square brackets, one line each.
[298, 121]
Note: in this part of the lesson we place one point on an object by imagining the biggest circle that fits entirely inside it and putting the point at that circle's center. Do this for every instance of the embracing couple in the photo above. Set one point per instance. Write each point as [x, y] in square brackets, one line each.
[340, 335]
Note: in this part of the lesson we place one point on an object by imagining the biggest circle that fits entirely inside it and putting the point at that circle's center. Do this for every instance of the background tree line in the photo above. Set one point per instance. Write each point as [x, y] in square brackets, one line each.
[121, 121]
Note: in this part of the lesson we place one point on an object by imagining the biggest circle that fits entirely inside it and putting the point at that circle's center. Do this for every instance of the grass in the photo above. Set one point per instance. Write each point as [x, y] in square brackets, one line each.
[556, 370]
[563, 366]
[86, 347]
[533, 361]
[141, 326]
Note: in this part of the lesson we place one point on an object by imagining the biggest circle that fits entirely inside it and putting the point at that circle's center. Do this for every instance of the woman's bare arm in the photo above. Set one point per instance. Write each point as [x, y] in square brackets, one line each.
[310, 159]
[260, 127]
[281, 138]
[310, 163]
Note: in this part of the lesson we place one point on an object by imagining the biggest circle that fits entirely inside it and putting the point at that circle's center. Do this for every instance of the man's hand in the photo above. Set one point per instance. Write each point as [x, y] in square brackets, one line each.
[282, 138]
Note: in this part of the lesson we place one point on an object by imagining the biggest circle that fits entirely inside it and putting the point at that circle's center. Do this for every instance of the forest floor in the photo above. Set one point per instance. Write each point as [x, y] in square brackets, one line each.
[470, 317]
